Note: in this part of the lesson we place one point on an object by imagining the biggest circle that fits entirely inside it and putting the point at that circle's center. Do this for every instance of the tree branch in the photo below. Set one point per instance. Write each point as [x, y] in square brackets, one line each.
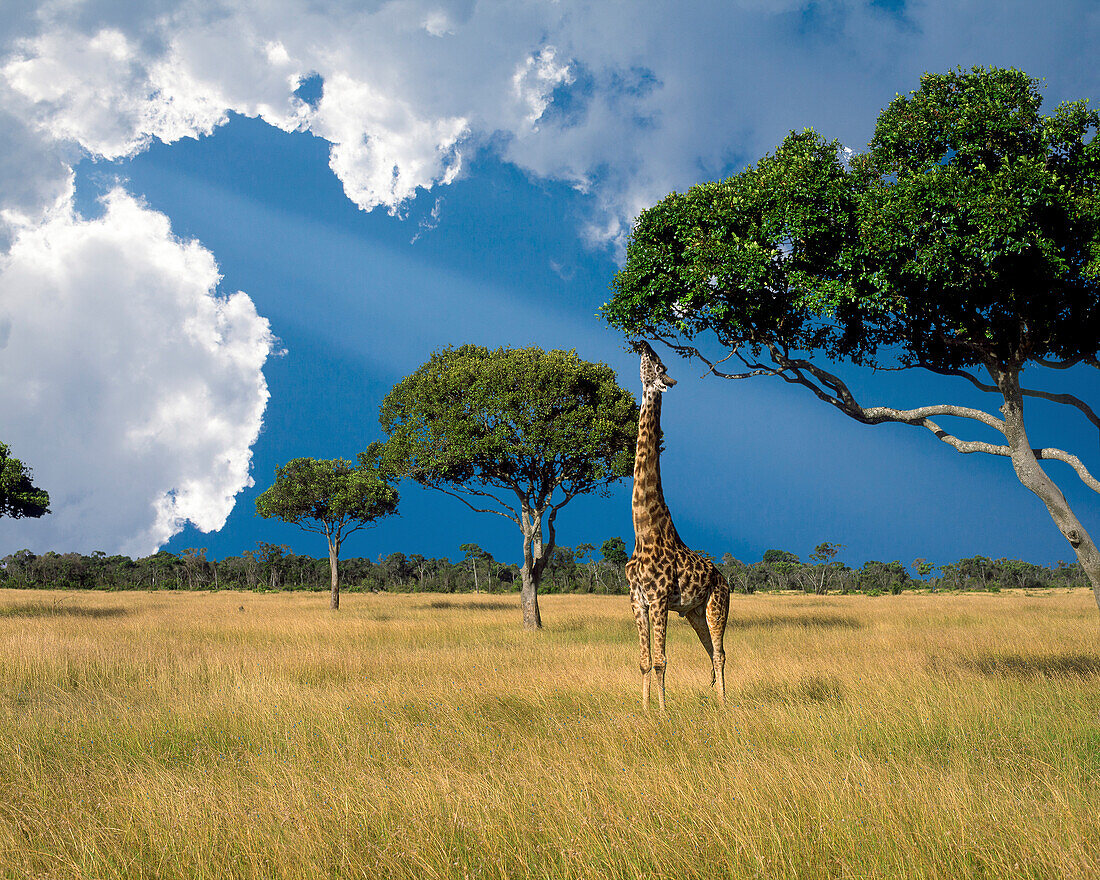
[843, 399]
[510, 515]
[318, 529]
[1073, 461]
[839, 395]
[794, 370]
[690, 351]
[1072, 362]
[356, 525]
[1067, 399]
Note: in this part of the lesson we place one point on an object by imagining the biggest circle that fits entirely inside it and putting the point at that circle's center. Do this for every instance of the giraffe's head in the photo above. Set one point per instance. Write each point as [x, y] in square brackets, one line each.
[654, 375]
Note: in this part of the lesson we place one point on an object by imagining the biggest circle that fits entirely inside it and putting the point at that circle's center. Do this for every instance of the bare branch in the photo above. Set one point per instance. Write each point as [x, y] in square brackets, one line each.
[510, 515]
[690, 351]
[318, 529]
[1073, 461]
[483, 494]
[951, 371]
[964, 446]
[1072, 362]
[843, 399]
[569, 496]
[358, 525]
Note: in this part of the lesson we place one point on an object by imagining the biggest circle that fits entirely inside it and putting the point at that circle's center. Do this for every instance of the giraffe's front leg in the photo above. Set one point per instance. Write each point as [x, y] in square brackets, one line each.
[641, 617]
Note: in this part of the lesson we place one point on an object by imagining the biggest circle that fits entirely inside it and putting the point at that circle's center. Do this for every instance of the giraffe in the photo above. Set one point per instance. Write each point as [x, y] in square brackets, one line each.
[663, 573]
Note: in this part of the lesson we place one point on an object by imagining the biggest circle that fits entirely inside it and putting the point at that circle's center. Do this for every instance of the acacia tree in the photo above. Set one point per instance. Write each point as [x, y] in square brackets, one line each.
[515, 432]
[334, 498]
[965, 239]
[19, 497]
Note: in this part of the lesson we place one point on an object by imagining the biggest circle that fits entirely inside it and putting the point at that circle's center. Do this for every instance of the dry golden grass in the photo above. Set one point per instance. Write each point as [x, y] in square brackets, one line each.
[175, 735]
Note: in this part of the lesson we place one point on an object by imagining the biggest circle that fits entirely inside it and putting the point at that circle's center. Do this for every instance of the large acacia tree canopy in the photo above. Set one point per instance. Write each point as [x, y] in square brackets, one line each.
[968, 233]
[19, 497]
[522, 419]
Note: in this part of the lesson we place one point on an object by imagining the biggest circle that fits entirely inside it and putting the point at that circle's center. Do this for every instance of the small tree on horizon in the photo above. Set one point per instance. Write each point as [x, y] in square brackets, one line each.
[824, 554]
[514, 432]
[334, 498]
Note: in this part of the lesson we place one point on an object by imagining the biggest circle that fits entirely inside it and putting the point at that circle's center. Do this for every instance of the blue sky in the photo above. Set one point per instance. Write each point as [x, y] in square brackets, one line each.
[459, 172]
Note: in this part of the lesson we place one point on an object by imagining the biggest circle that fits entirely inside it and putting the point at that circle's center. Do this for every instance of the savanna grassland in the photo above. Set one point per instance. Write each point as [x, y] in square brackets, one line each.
[232, 735]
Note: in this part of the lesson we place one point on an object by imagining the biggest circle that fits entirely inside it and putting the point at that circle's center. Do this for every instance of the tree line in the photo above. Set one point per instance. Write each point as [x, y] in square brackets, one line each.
[579, 569]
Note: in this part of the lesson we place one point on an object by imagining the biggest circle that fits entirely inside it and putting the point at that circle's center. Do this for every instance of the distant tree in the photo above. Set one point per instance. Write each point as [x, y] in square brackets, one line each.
[397, 568]
[334, 498]
[419, 565]
[824, 554]
[773, 556]
[515, 432]
[474, 555]
[966, 240]
[924, 568]
[271, 559]
[562, 569]
[882, 576]
[613, 551]
[195, 565]
[584, 554]
[19, 497]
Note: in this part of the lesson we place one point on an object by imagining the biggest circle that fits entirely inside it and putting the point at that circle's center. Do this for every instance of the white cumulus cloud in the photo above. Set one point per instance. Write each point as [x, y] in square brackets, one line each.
[382, 151]
[131, 387]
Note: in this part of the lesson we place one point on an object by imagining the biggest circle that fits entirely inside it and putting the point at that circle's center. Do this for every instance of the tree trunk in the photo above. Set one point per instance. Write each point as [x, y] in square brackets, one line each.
[333, 560]
[529, 598]
[1033, 477]
[535, 556]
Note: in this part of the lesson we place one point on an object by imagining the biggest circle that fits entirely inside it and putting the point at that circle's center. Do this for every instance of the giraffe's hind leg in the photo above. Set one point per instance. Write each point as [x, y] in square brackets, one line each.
[697, 617]
[641, 617]
[718, 609]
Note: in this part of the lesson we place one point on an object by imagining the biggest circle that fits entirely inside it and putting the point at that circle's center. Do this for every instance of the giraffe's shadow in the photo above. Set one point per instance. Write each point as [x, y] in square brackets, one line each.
[441, 604]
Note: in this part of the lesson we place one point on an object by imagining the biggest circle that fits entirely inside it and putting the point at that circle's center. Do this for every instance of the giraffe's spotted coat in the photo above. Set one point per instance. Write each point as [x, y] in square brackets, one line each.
[664, 574]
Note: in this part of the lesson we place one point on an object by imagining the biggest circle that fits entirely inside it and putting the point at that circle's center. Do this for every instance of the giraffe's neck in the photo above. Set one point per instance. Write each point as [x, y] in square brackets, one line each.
[651, 514]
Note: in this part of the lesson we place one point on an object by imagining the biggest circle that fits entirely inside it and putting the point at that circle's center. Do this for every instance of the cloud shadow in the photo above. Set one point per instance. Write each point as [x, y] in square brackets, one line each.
[58, 609]
[810, 621]
[472, 606]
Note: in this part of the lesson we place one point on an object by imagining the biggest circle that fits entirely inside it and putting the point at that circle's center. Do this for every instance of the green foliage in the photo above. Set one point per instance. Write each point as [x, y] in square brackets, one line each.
[969, 232]
[525, 420]
[825, 552]
[332, 497]
[881, 576]
[779, 557]
[613, 551]
[19, 497]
